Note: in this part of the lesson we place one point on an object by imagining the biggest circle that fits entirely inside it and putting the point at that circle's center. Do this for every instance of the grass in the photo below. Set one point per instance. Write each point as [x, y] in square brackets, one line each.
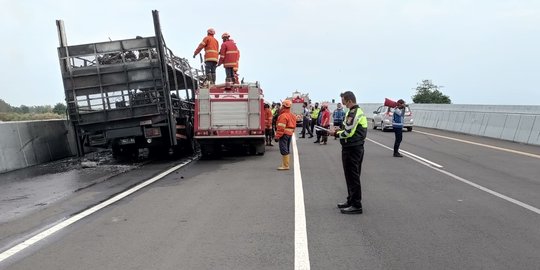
[6, 117]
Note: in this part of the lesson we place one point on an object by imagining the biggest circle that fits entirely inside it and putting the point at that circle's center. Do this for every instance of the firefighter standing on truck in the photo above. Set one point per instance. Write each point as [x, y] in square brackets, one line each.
[286, 124]
[235, 71]
[211, 47]
[229, 55]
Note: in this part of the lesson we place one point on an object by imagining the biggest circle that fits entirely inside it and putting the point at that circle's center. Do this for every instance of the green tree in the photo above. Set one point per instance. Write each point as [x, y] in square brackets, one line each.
[4, 106]
[427, 92]
[59, 108]
[23, 109]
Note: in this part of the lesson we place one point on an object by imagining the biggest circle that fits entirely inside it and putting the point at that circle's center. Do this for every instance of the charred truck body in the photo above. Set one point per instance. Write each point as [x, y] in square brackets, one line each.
[132, 95]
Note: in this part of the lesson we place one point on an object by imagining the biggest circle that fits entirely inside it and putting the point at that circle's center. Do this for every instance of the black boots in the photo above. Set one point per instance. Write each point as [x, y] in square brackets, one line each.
[347, 208]
[343, 205]
[351, 210]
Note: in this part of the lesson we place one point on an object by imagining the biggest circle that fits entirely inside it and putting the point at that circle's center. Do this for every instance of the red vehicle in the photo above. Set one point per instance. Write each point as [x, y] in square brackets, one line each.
[229, 116]
[297, 107]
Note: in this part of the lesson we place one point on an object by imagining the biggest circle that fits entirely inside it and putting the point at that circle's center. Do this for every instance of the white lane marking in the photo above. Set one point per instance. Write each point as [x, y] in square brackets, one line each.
[420, 158]
[44, 234]
[301, 252]
[409, 154]
[481, 144]
[504, 197]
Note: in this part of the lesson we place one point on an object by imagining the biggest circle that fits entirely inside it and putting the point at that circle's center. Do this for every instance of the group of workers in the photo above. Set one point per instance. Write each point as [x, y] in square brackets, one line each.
[351, 133]
[280, 123]
[228, 56]
[349, 127]
[320, 117]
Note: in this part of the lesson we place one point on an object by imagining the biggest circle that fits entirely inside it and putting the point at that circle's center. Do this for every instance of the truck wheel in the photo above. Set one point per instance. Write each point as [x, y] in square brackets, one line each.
[190, 146]
[124, 153]
[207, 150]
[260, 149]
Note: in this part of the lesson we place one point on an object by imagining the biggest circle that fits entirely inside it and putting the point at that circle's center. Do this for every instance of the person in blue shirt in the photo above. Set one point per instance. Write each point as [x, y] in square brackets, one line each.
[306, 121]
[338, 115]
[397, 125]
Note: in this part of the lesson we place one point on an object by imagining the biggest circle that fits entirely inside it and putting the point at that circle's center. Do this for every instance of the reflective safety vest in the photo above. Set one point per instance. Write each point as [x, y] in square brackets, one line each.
[229, 55]
[211, 47]
[355, 130]
[286, 123]
[315, 113]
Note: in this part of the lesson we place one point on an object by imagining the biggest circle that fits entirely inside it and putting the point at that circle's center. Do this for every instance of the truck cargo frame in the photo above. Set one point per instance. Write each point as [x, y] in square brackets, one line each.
[129, 94]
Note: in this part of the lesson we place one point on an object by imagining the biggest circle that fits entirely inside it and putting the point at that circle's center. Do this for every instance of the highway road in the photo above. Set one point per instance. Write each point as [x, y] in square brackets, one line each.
[453, 202]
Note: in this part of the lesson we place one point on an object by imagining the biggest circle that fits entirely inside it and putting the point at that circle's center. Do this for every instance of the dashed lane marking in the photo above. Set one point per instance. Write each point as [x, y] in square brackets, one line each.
[409, 154]
[468, 182]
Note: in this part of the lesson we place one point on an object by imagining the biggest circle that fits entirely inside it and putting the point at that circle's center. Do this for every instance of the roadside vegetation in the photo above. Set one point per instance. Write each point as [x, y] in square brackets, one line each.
[26, 113]
[427, 92]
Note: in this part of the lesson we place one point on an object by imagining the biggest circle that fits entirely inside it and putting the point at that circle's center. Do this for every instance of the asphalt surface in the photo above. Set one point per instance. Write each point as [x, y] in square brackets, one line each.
[238, 212]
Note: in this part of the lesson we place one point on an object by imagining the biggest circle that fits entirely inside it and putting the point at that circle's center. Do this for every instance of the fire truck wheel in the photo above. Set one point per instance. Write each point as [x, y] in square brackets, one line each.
[260, 149]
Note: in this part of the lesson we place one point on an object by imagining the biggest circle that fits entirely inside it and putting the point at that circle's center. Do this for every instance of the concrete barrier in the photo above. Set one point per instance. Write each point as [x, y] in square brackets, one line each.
[29, 143]
[507, 122]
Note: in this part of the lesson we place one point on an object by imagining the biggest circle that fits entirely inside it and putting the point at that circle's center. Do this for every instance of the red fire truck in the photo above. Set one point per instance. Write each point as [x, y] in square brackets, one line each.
[297, 107]
[230, 116]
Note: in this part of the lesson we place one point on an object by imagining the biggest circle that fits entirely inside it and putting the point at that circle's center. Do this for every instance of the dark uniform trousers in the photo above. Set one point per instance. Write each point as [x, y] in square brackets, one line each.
[352, 158]
[285, 144]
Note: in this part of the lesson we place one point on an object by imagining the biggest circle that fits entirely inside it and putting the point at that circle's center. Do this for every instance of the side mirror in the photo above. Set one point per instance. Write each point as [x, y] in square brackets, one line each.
[375, 112]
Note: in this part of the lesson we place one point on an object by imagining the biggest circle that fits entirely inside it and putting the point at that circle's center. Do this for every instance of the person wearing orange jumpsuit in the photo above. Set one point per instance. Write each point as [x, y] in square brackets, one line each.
[211, 47]
[229, 55]
[286, 123]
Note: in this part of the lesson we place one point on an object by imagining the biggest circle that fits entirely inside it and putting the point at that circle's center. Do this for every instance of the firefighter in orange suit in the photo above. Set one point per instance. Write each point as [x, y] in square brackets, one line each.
[286, 124]
[268, 124]
[211, 47]
[228, 56]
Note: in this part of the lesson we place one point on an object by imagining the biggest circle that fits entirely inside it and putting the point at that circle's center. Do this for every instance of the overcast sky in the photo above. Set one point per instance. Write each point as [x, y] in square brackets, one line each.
[482, 51]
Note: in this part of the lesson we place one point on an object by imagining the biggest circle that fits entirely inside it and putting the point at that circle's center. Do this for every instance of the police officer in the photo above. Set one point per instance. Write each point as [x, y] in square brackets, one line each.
[352, 152]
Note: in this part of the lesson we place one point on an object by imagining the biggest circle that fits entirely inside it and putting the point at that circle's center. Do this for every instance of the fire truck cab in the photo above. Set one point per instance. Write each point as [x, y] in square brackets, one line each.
[297, 107]
[230, 116]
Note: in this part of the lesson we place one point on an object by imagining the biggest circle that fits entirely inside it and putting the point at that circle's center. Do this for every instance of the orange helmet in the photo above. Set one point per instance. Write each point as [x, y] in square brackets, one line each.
[225, 35]
[287, 103]
[211, 31]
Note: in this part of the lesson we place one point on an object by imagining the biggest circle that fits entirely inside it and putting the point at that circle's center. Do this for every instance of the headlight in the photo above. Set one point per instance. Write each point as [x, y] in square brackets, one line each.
[149, 140]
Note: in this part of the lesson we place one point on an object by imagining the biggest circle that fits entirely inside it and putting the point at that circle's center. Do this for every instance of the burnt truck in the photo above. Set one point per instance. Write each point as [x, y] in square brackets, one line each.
[230, 117]
[133, 95]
